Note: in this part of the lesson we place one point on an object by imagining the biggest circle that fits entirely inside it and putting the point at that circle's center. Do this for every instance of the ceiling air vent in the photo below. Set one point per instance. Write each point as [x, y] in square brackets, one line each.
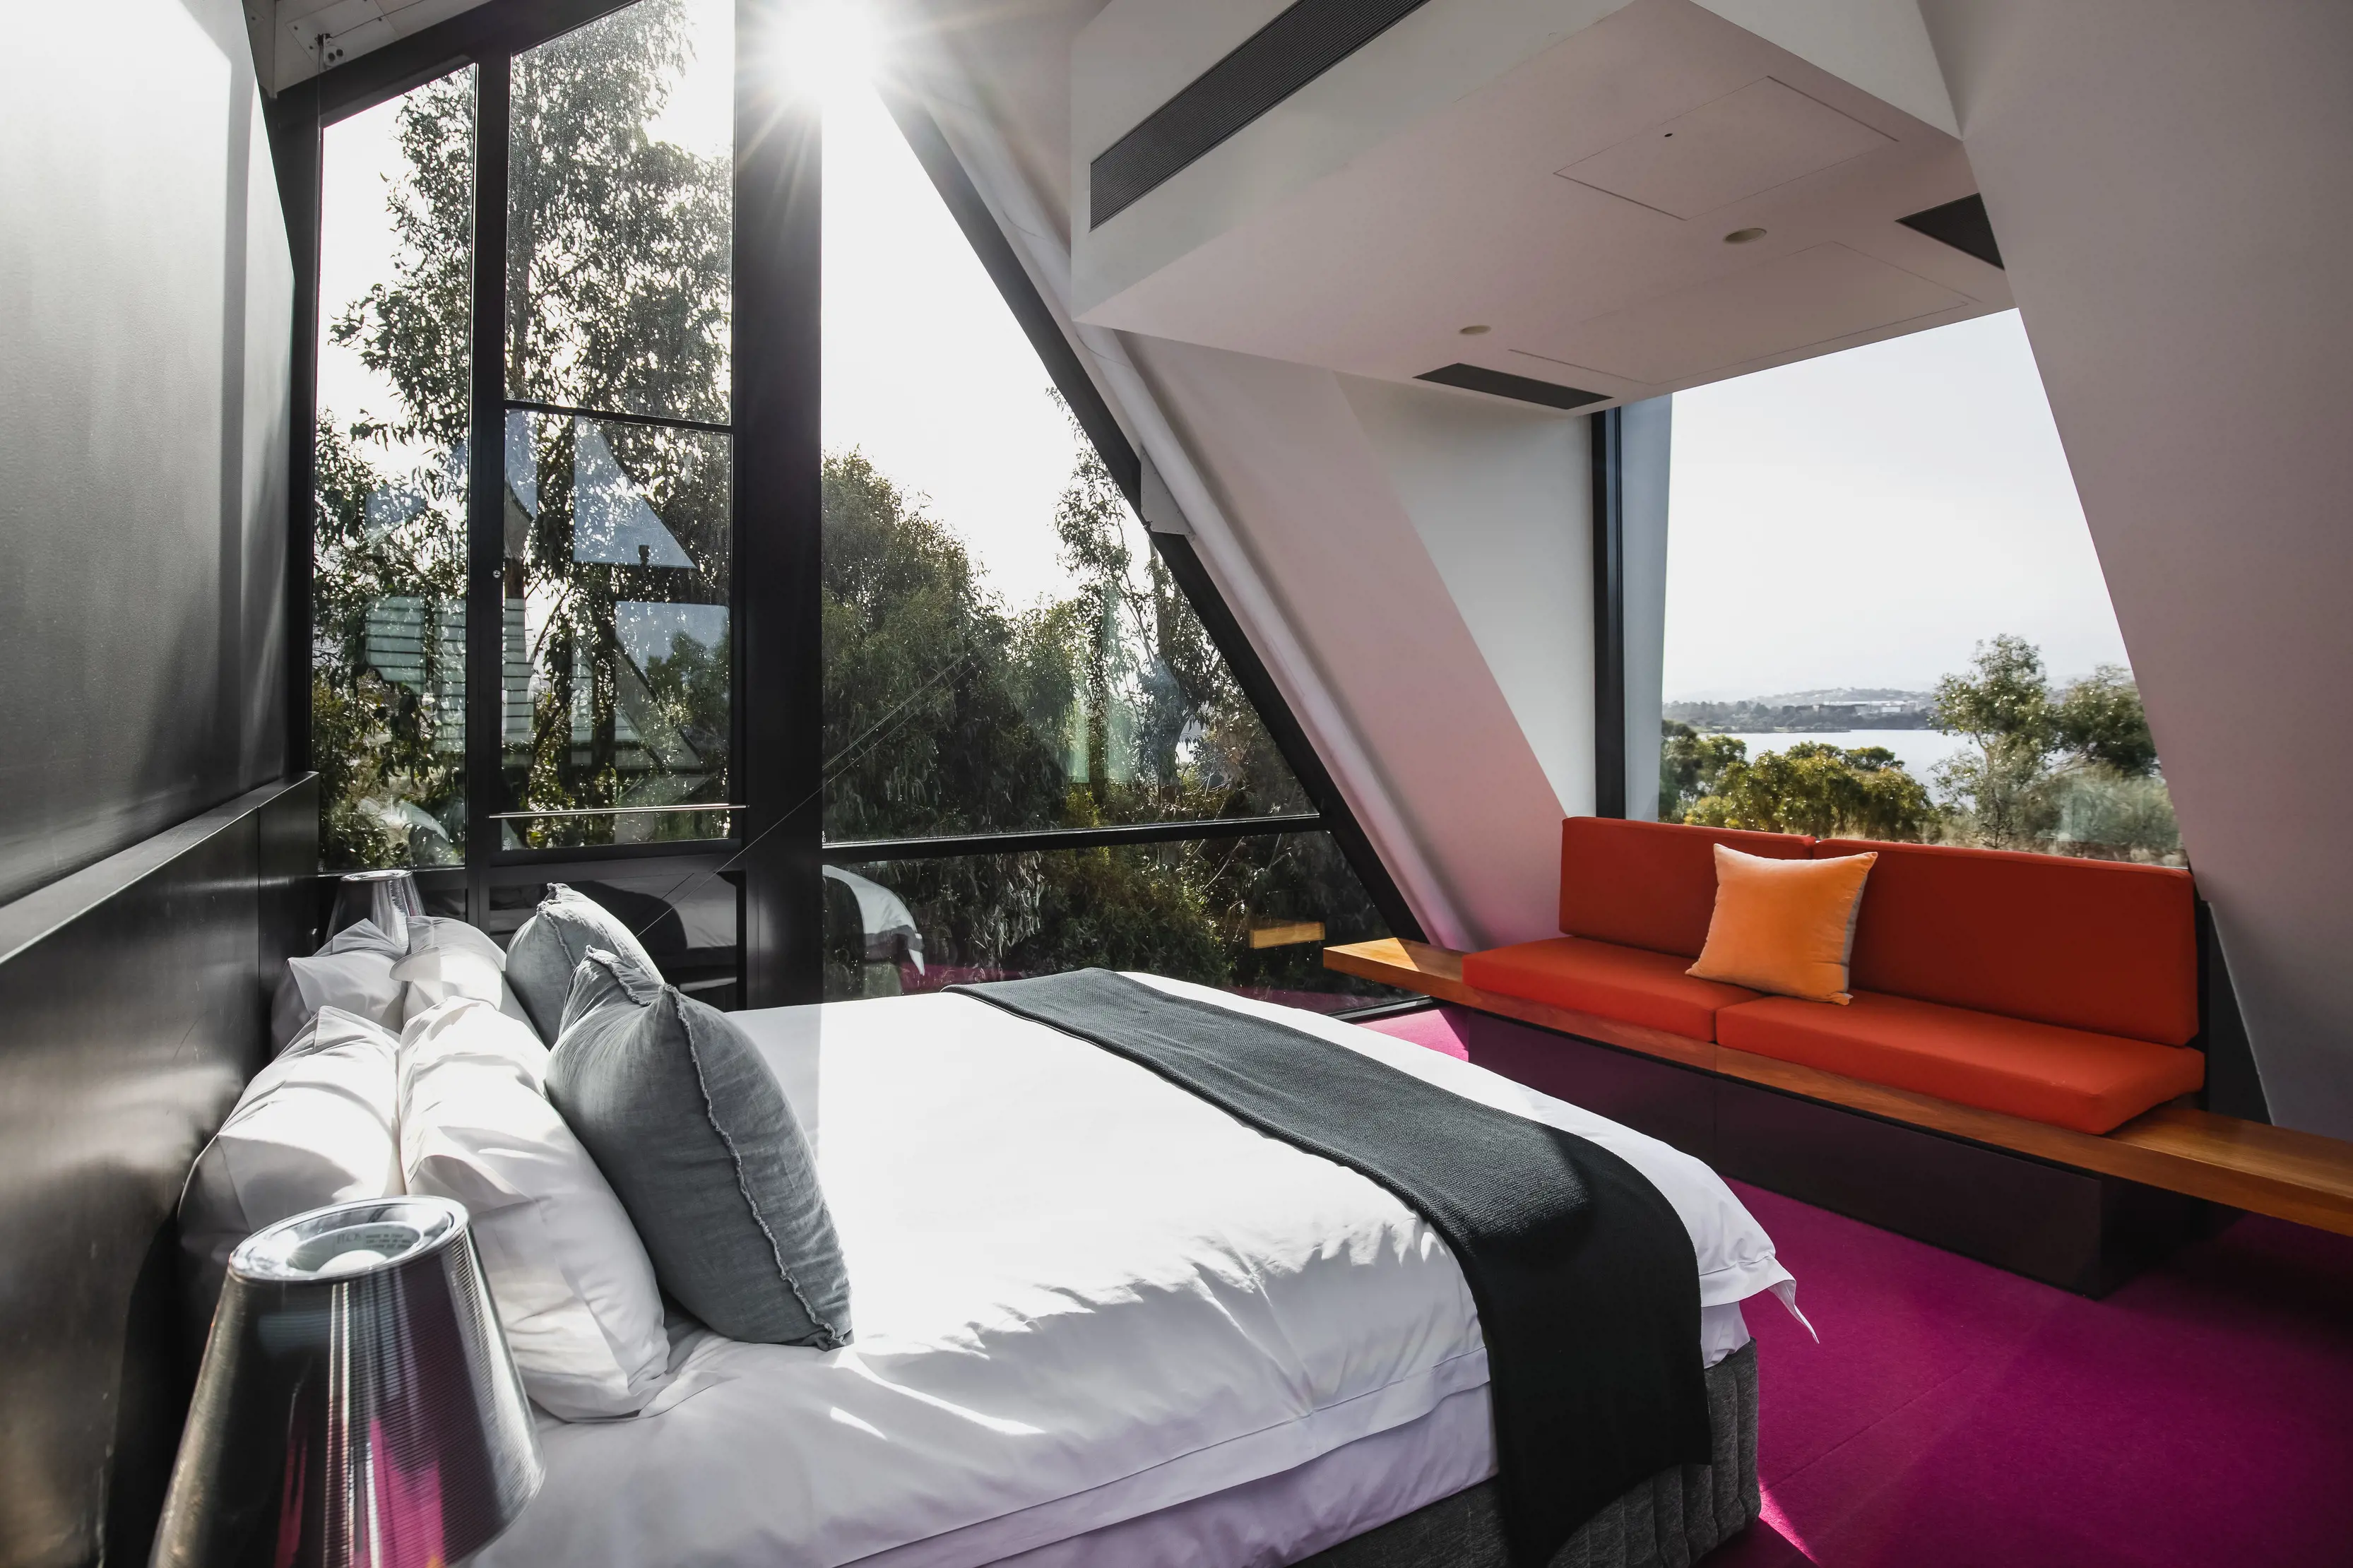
[1503, 383]
[1297, 46]
[1963, 225]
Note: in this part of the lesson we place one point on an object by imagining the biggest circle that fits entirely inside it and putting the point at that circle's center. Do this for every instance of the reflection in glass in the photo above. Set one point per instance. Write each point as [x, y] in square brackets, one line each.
[1003, 649]
[618, 567]
[1248, 914]
[686, 919]
[388, 666]
[620, 213]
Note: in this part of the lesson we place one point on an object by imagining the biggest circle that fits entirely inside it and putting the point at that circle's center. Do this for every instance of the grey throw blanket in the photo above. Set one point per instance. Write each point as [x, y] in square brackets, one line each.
[1584, 1277]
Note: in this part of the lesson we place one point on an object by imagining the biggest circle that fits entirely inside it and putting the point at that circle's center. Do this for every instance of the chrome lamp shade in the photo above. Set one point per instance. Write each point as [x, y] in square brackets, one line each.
[390, 899]
[357, 1406]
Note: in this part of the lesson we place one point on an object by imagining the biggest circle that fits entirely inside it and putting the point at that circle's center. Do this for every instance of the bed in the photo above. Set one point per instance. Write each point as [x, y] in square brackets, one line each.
[1100, 1321]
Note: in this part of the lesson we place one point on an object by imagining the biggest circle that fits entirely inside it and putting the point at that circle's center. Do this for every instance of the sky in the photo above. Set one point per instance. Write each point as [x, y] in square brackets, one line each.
[360, 155]
[1863, 519]
[1866, 518]
[925, 370]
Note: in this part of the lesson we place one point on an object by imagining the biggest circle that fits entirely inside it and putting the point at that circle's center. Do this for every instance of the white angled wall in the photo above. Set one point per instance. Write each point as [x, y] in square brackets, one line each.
[2172, 184]
[1502, 499]
[1337, 492]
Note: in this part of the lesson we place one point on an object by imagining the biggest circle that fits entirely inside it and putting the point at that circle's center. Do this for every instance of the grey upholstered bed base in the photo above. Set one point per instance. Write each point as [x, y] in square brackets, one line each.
[1670, 1520]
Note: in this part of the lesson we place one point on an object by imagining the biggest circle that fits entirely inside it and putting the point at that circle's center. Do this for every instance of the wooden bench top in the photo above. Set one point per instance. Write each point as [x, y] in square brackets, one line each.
[2290, 1175]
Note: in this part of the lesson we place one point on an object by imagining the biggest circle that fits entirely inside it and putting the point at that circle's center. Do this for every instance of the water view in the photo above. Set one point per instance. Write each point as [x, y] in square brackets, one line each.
[1917, 751]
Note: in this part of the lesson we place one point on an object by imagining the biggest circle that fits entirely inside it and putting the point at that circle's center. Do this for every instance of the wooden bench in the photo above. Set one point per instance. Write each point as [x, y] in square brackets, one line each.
[2174, 1149]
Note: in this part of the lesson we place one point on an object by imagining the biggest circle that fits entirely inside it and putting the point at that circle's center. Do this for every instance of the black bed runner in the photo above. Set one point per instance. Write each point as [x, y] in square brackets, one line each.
[1587, 1287]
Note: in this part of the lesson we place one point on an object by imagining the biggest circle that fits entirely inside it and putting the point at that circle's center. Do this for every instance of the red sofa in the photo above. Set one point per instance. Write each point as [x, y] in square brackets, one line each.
[2061, 991]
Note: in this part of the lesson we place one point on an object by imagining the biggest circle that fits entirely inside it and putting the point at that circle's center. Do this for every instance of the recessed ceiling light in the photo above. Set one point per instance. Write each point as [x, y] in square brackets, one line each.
[1743, 236]
[1476, 332]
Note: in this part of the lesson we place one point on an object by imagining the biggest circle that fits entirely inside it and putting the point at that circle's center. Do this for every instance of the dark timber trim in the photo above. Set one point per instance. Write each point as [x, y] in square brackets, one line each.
[1047, 840]
[1119, 455]
[486, 486]
[614, 416]
[501, 29]
[778, 348]
[1504, 384]
[1609, 613]
[1963, 225]
[2233, 1085]
[1300, 44]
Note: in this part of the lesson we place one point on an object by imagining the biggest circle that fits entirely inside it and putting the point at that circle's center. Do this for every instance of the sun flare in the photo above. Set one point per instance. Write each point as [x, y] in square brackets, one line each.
[830, 48]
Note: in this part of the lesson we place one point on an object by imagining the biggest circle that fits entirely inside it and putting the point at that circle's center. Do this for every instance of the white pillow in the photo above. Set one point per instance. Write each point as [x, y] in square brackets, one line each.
[352, 973]
[448, 958]
[316, 1126]
[574, 1289]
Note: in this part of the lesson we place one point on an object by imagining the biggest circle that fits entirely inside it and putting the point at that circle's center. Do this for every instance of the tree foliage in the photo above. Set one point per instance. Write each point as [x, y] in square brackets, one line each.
[1692, 765]
[1818, 789]
[2099, 721]
[2064, 769]
[948, 712]
[2068, 770]
[618, 298]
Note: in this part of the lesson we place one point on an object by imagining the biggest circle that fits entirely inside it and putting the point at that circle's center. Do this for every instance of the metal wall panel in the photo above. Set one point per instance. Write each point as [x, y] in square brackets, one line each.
[132, 1001]
[143, 433]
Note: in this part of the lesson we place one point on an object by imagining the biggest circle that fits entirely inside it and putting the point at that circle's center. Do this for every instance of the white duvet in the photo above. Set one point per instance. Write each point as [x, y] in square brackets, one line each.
[1081, 1295]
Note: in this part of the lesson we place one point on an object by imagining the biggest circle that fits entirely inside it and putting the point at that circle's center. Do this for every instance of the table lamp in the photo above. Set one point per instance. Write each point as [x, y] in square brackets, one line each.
[357, 1406]
[390, 899]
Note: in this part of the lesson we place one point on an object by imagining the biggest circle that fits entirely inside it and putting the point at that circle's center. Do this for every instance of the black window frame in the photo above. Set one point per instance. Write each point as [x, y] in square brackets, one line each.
[775, 858]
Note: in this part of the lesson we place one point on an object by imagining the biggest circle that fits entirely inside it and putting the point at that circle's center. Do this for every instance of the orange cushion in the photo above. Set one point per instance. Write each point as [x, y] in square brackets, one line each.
[1783, 926]
[2068, 1077]
[1628, 984]
[2084, 944]
[1650, 884]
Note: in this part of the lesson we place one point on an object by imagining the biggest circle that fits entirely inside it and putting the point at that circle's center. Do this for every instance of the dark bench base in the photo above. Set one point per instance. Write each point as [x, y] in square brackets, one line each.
[2079, 1230]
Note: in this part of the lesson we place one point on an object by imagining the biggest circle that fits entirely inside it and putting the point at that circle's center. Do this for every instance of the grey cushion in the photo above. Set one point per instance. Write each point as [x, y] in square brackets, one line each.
[689, 1126]
[546, 952]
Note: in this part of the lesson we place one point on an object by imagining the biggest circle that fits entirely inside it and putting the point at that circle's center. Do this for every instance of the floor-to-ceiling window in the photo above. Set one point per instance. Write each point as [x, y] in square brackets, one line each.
[616, 540]
[388, 670]
[1885, 617]
[523, 418]
[535, 567]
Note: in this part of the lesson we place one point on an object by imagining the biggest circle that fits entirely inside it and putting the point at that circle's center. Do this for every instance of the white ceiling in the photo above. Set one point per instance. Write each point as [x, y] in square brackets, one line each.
[1572, 200]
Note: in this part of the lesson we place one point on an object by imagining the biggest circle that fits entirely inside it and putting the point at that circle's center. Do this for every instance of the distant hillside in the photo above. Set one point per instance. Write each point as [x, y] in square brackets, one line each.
[1798, 712]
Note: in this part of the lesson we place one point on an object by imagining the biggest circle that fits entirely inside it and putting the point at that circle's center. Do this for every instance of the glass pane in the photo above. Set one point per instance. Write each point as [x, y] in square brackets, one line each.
[618, 692]
[1978, 693]
[620, 212]
[1002, 648]
[687, 918]
[1251, 915]
[388, 667]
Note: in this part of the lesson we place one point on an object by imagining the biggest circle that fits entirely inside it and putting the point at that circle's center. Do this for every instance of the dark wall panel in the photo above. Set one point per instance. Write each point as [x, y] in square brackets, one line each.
[132, 1000]
[144, 428]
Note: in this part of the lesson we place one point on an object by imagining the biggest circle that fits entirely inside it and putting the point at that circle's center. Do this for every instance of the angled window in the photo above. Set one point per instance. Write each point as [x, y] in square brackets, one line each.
[1978, 693]
[1007, 657]
[749, 570]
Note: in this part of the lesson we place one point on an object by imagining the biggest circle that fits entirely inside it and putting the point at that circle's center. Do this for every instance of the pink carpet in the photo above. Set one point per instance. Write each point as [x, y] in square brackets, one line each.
[1955, 1414]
